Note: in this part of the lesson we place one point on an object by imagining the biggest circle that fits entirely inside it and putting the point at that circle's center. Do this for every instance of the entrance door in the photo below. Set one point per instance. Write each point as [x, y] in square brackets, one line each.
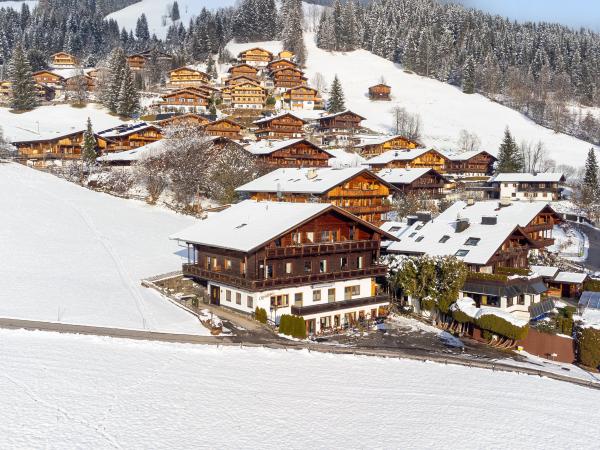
[215, 295]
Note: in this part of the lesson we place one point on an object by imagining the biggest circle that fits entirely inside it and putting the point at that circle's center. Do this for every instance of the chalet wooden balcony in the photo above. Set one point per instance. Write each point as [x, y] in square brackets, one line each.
[358, 193]
[321, 249]
[368, 209]
[338, 306]
[543, 242]
[538, 227]
[193, 270]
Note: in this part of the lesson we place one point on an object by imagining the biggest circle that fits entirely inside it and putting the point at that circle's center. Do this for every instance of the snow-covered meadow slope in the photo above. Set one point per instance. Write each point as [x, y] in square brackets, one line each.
[76, 256]
[46, 121]
[84, 391]
[444, 109]
[157, 13]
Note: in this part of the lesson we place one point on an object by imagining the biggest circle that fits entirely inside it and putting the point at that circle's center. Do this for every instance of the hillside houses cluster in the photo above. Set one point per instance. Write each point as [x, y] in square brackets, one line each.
[308, 236]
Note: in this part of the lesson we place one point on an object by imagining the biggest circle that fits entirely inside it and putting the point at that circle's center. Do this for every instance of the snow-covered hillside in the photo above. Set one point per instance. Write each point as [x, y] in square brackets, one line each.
[17, 5]
[46, 121]
[157, 13]
[84, 391]
[76, 256]
[444, 109]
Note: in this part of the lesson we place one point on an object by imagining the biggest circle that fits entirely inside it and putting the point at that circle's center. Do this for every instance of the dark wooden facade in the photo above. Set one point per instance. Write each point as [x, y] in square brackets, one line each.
[245, 70]
[118, 142]
[349, 246]
[283, 126]
[302, 153]
[431, 184]
[280, 64]
[225, 128]
[539, 230]
[369, 150]
[481, 164]
[184, 119]
[288, 77]
[65, 147]
[346, 121]
[185, 100]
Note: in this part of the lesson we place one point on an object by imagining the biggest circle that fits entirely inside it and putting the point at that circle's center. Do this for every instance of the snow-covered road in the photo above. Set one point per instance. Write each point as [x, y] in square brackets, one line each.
[69, 391]
[77, 256]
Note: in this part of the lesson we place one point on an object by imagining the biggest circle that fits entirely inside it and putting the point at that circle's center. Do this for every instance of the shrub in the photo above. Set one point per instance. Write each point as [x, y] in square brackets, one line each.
[260, 315]
[270, 101]
[284, 324]
[512, 271]
[461, 317]
[591, 285]
[427, 304]
[498, 325]
[588, 347]
[299, 328]
[481, 276]
[292, 326]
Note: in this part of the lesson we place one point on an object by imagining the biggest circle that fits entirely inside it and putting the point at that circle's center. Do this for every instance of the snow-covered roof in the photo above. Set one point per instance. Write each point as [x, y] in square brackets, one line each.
[548, 177]
[347, 111]
[267, 146]
[249, 224]
[376, 140]
[464, 156]
[145, 151]
[398, 155]
[302, 180]
[342, 158]
[125, 129]
[545, 271]
[276, 116]
[70, 73]
[403, 176]
[570, 277]
[478, 242]
[48, 136]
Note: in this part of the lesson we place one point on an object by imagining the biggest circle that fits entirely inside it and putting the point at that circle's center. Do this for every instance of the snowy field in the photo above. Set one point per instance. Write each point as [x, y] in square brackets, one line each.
[91, 392]
[444, 109]
[46, 121]
[77, 256]
[157, 13]
[18, 5]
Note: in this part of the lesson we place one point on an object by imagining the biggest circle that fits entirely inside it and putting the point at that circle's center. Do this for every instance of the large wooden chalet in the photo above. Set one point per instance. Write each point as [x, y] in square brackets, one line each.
[380, 92]
[478, 163]
[302, 97]
[184, 77]
[64, 147]
[373, 146]
[183, 119]
[49, 78]
[288, 77]
[246, 95]
[311, 260]
[188, 100]
[277, 64]
[43, 91]
[289, 153]
[224, 128]
[356, 190]
[281, 126]
[243, 69]
[257, 57]
[344, 122]
[63, 60]
[128, 137]
[420, 182]
[415, 158]
[137, 61]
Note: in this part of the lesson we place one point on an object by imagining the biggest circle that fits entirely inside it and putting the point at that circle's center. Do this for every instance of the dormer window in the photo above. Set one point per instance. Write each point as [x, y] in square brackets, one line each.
[394, 229]
[412, 234]
[472, 241]
[444, 239]
[461, 253]
[419, 239]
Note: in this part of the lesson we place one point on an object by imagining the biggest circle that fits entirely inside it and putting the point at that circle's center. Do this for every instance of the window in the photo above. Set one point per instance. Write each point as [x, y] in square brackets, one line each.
[279, 301]
[510, 302]
[310, 236]
[444, 239]
[317, 295]
[268, 271]
[351, 291]
[359, 262]
[298, 298]
[325, 236]
[344, 263]
[461, 253]
[331, 295]
[394, 229]
[228, 295]
[243, 267]
[250, 302]
[323, 266]
[208, 262]
[472, 241]
[419, 239]
[521, 299]
[288, 267]
[412, 234]
[238, 298]
[307, 267]
[227, 264]
[296, 238]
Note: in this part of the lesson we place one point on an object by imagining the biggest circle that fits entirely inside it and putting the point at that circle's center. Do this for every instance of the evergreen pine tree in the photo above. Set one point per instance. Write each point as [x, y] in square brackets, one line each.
[175, 12]
[116, 69]
[129, 97]
[336, 103]
[509, 158]
[141, 29]
[590, 178]
[468, 82]
[292, 31]
[88, 149]
[211, 69]
[23, 95]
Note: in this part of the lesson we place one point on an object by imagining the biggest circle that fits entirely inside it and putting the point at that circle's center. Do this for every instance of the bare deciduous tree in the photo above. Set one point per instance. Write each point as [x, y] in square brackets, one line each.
[468, 142]
[406, 124]
[535, 158]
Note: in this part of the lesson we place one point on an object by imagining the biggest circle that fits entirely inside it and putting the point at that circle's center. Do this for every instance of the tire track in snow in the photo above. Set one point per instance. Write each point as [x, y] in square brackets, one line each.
[146, 317]
[63, 412]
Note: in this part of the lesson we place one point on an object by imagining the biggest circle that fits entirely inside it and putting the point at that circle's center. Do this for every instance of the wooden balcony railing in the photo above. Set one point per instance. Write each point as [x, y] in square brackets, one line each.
[337, 306]
[321, 248]
[194, 270]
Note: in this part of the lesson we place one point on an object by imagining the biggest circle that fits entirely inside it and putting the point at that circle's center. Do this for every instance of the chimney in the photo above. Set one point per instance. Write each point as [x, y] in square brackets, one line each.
[470, 201]
[489, 220]
[424, 217]
[411, 220]
[504, 202]
[461, 225]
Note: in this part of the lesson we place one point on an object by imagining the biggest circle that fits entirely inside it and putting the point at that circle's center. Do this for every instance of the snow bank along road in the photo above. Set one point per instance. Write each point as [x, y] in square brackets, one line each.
[68, 391]
[76, 256]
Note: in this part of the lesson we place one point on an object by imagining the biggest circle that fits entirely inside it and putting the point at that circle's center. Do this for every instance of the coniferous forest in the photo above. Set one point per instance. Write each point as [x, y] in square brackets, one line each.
[540, 69]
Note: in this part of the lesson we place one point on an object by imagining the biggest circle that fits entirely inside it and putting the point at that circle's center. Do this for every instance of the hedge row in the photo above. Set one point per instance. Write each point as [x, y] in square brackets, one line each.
[461, 317]
[292, 326]
[260, 314]
[498, 325]
[512, 271]
[591, 285]
[588, 347]
[481, 276]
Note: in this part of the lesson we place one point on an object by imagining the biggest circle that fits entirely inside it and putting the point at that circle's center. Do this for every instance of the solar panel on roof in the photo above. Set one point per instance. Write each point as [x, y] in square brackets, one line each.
[539, 309]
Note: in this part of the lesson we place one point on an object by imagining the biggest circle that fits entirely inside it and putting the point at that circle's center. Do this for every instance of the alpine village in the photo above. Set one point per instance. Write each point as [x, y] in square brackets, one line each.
[321, 212]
